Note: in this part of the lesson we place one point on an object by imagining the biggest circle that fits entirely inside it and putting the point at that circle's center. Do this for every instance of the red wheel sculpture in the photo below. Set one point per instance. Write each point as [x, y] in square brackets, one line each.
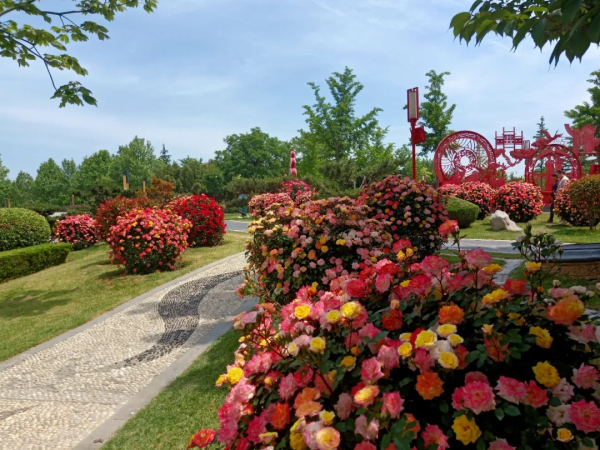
[546, 161]
[463, 156]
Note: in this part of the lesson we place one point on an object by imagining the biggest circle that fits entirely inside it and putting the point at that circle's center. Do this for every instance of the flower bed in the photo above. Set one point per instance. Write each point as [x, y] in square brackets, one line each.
[521, 201]
[206, 216]
[148, 240]
[422, 356]
[413, 210]
[79, 231]
[260, 204]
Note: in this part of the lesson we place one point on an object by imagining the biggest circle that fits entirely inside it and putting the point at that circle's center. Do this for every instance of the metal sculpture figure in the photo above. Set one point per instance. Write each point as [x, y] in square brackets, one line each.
[293, 170]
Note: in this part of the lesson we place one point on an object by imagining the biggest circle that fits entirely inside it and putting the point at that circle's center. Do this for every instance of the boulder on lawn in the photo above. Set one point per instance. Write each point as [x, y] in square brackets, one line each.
[500, 221]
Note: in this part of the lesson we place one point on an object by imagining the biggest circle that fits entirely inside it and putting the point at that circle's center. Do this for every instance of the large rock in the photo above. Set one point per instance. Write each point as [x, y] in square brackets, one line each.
[500, 221]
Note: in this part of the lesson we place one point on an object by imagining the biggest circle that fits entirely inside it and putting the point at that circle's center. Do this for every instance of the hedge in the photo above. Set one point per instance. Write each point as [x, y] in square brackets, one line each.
[21, 227]
[464, 212]
[24, 261]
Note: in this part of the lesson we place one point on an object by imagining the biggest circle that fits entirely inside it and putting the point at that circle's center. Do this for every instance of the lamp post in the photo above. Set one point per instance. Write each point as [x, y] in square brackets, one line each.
[125, 180]
[417, 134]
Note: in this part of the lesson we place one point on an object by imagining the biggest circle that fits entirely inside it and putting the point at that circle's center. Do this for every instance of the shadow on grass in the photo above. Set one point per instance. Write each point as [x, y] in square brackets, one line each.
[108, 276]
[104, 262]
[32, 303]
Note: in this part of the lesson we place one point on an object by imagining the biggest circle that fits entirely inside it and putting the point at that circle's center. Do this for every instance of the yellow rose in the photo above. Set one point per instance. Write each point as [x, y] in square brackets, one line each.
[455, 340]
[395, 304]
[405, 336]
[324, 249]
[518, 318]
[331, 375]
[487, 328]
[267, 438]
[302, 312]
[323, 239]
[533, 267]
[564, 435]
[333, 316]
[448, 360]
[446, 330]
[317, 345]
[546, 374]
[234, 375]
[341, 242]
[293, 349]
[466, 430]
[298, 424]
[348, 362]
[351, 310]
[400, 255]
[405, 350]
[297, 441]
[542, 336]
[221, 380]
[492, 269]
[425, 339]
[327, 417]
[495, 297]
[409, 252]
[328, 438]
[366, 395]
[405, 283]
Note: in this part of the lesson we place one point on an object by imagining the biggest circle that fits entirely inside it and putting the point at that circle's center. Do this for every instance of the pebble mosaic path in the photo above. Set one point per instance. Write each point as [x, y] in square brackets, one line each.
[52, 399]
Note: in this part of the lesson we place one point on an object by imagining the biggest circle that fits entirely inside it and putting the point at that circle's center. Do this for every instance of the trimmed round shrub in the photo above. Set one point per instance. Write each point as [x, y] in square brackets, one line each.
[464, 212]
[427, 356]
[21, 227]
[480, 194]
[206, 216]
[413, 209]
[79, 231]
[298, 190]
[260, 204]
[567, 211]
[148, 240]
[585, 193]
[521, 201]
[311, 245]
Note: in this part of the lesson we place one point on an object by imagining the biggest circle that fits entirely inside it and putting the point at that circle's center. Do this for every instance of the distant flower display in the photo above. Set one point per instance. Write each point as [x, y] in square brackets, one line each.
[521, 201]
[80, 231]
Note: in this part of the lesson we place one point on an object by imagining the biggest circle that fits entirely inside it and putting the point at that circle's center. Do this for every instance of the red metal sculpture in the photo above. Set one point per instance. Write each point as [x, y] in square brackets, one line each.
[463, 156]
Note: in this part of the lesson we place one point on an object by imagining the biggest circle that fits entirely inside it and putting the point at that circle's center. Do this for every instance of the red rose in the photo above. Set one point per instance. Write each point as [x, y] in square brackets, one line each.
[392, 320]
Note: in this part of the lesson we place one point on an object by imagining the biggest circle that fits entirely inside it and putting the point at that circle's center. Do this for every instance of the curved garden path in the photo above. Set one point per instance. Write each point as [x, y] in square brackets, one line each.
[75, 390]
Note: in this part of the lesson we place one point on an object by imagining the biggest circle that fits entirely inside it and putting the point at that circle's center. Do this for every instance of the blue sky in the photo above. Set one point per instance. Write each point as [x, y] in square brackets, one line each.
[198, 70]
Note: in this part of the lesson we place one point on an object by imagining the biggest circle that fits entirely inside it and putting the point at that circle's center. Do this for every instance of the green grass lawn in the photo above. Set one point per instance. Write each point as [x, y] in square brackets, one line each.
[190, 403]
[38, 307]
[238, 217]
[453, 259]
[481, 229]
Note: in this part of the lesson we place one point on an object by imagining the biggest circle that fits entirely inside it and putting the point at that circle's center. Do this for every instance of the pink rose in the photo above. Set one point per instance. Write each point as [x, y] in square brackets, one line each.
[434, 435]
[392, 404]
[370, 370]
[585, 377]
[500, 444]
[478, 258]
[344, 406]
[585, 416]
[479, 397]
[370, 432]
[511, 390]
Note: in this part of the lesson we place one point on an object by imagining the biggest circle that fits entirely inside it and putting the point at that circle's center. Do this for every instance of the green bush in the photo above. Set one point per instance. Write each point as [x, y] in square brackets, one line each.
[464, 212]
[24, 261]
[21, 227]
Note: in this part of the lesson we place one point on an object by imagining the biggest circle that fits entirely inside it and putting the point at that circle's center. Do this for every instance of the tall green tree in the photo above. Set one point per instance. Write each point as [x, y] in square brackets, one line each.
[436, 115]
[69, 168]
[213, 180]
[541, 127]
[24, 185]
[571, 26]
[94, 172]
[189, 174]
[588, 112]
[6, 189]
[138, 159]
[51, 184]
[165, 156]
[253, 154]
[55, 29]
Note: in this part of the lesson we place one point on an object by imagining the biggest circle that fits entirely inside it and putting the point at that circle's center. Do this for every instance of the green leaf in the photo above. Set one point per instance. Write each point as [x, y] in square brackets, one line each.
[538, 30]
[475, 5]
[499, 413]
[401, 443]
[594, 29]
[555, 401]
[444, 408]
[512, 410]
[588, 442]
[480, 444]
[385, 442]
[459, 20]
[569, 10]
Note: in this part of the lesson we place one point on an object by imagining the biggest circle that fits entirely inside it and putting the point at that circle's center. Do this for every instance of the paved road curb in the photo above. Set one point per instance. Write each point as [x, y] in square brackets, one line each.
[21, 356]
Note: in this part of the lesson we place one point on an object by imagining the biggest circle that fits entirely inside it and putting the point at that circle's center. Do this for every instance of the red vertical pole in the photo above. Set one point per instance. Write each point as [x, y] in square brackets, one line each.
[414, 150]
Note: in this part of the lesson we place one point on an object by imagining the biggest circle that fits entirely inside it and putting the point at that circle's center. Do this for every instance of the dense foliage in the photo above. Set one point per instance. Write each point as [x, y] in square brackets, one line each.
[206, 217]
[521, 201]
[464, 212]
[412, 210]
[79, 231]
[21, 228]
[25, 261]
[585, 193]
[424, 356]
[314, 243]
[259, 205]
[148, 240]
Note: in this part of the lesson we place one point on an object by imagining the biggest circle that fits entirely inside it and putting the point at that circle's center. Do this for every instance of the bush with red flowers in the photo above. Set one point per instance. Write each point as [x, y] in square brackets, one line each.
[206, 216]
[260, 204]
[109, 211]
[298, 190]
[480, 194]
[521, 201]
[412, 209]
[148, 240]
[449, 190]
[564, 208]
[585, 193]
[310, 246]
[79, 231]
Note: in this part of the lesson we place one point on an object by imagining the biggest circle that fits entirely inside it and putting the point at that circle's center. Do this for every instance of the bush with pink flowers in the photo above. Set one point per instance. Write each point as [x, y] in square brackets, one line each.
[260, 204]
[80, 231]
[480, 194]
[148, 240]
[298, 190]
[521, 201]
[564, 208]
[412, 210]
[449, 190]
[206, 216]
[405, 355]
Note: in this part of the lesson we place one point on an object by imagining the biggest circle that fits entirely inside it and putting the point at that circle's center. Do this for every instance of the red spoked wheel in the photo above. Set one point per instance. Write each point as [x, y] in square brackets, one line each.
[463, 156]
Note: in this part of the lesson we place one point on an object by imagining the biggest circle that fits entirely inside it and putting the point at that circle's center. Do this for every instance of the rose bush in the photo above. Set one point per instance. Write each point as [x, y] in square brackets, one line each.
[449, 190]
[148, 240]
[315, 243]
[585, 193]
[206, 216]
[260, 204]
[298, 190]
[109, 211]
[564, 208]
[480, 194]
[405, 355]
[80, 231]
[521, 201]
[412, 210]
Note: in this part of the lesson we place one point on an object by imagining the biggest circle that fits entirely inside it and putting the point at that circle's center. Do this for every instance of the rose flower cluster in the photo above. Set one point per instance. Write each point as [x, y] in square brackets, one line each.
[521, 201]
[206, 216]
[81, 231]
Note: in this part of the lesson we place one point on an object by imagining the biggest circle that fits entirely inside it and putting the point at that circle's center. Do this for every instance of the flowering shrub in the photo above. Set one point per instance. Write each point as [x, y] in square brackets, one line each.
[585, 193]
[414, 210]
[449, 190]
[316, 243]
[259, 204]
[148, 240]
[206, 216]
[567, 211]
[421, 356]
[298, 190]
[478, 193]
[521, 201]
[79, 231]
[109, 211]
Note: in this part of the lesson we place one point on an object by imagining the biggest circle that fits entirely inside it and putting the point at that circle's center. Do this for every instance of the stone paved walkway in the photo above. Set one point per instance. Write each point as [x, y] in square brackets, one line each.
[53, 398]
